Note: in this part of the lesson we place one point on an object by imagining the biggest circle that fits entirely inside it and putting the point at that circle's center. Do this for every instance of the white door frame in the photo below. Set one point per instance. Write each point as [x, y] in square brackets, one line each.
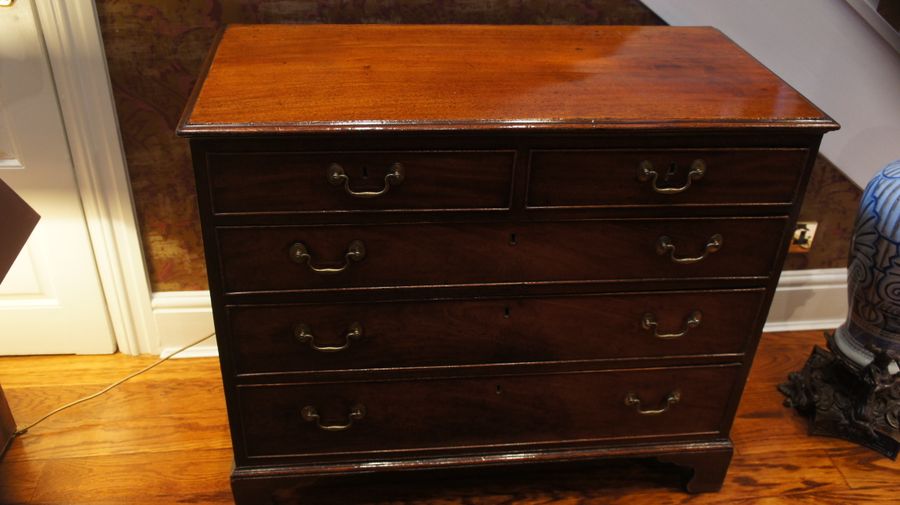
[72, 34]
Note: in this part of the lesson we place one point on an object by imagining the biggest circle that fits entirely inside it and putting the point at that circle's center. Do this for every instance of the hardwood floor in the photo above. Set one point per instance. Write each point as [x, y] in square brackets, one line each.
[163, 439]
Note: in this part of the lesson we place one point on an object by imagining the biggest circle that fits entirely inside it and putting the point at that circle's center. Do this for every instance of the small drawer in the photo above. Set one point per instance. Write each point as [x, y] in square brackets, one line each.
[360, 181]
[366, 417]
[654, 177]
[296, 258]
[382, 335]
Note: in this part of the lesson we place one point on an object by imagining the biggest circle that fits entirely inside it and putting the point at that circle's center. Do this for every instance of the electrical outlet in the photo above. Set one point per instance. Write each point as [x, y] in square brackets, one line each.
[804, 233]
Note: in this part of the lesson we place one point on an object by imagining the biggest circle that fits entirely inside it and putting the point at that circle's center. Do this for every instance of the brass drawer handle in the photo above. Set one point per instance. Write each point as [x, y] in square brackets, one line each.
[648, 322]
[632, 400]
[394, 177]
[664, 245]
[356, 251]
[647, 173]
[303, 333]
[311, 415]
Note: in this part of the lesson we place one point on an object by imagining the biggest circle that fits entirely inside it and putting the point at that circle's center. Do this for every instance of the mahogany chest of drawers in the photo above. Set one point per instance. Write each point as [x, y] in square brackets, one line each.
[435, 247]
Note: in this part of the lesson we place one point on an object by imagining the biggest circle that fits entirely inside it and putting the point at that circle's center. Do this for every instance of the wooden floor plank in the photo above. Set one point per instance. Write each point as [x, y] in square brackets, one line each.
[869, 496]
[128, 401]
[161, 478]
[18, 480]
[163, 439]
[137, 417]
[186, 433]
[763, 425]
[865, 469]
[762, 422]
[100, 370]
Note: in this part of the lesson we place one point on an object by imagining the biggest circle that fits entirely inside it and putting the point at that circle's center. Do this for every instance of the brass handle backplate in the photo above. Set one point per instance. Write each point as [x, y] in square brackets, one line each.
[303, 333]
[648, 322]
[394, 177]
[646, 173]
[356, 251]
[311, 415]
[664, 245]
[632, 400]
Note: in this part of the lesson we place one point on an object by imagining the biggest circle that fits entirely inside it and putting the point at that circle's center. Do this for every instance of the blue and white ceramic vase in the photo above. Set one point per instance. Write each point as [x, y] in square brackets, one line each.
[874, 273]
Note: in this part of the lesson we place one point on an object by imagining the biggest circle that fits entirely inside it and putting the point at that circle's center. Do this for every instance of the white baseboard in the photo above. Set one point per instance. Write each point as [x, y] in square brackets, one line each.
[809, 300]
[804, 300]
[182, 317]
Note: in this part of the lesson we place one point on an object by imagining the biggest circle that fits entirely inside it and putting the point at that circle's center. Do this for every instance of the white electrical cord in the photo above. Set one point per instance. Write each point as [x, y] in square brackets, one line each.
[24, 430]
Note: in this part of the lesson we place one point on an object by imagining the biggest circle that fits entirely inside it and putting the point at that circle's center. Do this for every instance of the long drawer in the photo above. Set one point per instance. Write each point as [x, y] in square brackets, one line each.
[360, 181]
[309, 420]
[347, 336]
[315, 257]
[647, 177]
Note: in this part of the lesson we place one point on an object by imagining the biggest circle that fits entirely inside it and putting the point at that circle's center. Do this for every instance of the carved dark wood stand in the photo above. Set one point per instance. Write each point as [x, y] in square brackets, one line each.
[843, 401]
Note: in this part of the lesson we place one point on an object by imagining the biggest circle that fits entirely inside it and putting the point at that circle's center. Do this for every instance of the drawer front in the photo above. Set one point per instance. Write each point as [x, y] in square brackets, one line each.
[628, 178]
[360, 181]
[344, 336]
[366, 417]
[293, 258]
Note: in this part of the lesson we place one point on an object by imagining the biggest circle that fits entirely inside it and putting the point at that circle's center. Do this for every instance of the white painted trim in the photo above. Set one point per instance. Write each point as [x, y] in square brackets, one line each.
[199, 351]
[799, 279]
[72, 35]
[804, 300]
[182, 317]
[802, 325]
[868, 12]
[11, 164]
[809, 300]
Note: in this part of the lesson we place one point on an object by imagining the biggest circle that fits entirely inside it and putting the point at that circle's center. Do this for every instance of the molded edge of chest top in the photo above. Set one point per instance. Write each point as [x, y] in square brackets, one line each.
[283, 79]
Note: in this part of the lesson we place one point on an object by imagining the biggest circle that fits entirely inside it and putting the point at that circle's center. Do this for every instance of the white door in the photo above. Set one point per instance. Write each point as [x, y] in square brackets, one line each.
[51, 301]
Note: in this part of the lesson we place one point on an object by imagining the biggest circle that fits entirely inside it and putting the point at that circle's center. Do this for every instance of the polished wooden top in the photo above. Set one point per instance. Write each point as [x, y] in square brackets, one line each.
[268, 79]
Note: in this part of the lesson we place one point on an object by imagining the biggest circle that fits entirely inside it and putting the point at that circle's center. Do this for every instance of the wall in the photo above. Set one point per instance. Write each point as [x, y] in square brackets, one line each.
[155, 49]
[832, 201]
[830, 54]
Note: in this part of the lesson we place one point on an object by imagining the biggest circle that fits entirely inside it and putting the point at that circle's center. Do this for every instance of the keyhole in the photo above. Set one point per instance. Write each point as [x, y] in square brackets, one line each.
[365, 172]
[499, 390]
[506, 312]
[512, 239]
[673, 169]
